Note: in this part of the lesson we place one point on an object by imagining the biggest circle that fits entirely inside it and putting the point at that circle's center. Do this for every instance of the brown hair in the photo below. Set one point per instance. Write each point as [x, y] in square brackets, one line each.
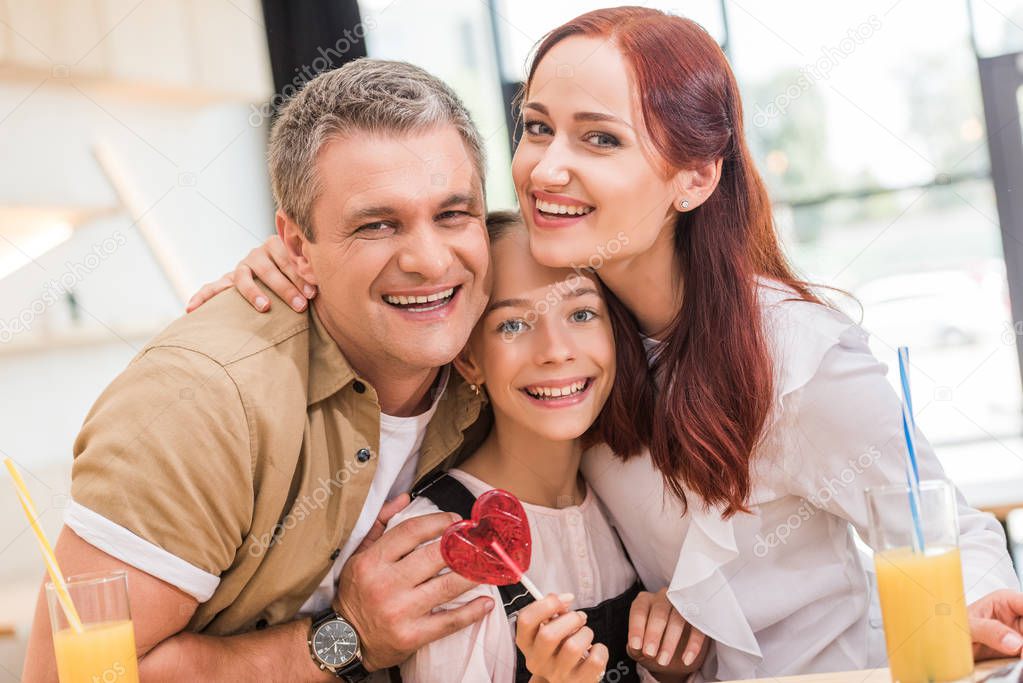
[630, 390]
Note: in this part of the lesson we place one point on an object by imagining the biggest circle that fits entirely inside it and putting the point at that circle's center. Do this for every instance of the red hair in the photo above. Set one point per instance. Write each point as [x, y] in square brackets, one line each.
[713, 366]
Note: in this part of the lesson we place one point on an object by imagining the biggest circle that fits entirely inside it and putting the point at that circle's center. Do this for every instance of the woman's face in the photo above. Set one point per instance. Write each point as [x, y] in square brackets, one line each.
[544, 347]
[589, 184]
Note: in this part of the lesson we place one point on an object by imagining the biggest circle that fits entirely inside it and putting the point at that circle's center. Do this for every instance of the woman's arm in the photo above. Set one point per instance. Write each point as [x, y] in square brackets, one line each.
[844, 434]
[269, 262]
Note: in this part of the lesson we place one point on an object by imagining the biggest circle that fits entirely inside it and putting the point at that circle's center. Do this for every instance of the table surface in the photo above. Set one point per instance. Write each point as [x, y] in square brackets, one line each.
[875, 675]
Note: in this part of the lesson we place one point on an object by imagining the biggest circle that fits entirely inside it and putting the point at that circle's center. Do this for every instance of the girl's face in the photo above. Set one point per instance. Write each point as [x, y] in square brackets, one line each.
[589, 184]
[544, 347]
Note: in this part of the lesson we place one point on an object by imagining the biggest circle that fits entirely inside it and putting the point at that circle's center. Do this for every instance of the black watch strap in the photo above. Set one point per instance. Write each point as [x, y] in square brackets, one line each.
[355, 672]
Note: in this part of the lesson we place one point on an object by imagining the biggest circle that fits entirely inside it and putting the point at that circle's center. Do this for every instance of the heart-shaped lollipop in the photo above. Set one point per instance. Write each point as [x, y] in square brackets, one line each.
[494, 545]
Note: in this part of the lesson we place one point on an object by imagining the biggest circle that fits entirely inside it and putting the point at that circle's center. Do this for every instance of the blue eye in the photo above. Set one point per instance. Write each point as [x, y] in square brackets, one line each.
[583, 316]
[514, 326]
[537, 128]
[603, 140]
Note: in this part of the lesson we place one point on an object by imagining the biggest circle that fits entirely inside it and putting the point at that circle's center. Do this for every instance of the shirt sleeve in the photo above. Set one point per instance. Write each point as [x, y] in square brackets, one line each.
[162, 477]
[483, 651]
[846, 429]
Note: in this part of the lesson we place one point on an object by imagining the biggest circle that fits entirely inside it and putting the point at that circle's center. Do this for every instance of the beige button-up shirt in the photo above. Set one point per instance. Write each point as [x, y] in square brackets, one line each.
[244, 444]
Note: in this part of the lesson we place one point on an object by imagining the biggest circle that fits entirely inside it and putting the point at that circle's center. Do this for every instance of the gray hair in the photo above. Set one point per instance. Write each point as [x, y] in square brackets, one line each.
[368, 95]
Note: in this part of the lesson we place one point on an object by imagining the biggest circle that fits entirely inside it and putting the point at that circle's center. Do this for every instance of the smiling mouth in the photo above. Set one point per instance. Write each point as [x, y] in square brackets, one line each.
[543, 392]
[424, 303]
[555, 210]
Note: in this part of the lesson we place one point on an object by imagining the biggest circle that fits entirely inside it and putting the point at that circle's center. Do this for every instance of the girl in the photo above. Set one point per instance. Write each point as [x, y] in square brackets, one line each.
[545, 355]
[766, 415]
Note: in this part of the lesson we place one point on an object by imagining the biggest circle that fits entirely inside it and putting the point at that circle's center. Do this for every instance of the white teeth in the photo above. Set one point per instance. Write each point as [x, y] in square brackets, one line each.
[569, 209]
[556, 392]
[412, 300]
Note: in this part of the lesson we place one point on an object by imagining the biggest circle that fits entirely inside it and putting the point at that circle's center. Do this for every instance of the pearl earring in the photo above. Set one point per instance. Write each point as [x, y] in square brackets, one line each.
[475, 389]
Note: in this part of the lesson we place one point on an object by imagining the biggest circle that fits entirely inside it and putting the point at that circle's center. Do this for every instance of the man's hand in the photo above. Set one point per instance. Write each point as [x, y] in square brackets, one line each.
[996, 621]
[389, 589]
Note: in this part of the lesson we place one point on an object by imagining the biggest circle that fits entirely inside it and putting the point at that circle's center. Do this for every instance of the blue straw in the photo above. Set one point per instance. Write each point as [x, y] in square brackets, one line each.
[908, 431]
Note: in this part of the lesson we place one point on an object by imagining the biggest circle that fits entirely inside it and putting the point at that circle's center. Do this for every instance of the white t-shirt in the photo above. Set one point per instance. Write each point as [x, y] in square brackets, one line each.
[400, 440]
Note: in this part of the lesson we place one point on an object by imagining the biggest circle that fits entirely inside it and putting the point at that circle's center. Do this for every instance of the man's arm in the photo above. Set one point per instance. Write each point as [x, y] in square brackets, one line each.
[159, 613]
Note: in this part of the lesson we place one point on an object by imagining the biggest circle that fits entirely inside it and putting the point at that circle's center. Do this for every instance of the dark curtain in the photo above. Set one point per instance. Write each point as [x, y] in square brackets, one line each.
[307, 37]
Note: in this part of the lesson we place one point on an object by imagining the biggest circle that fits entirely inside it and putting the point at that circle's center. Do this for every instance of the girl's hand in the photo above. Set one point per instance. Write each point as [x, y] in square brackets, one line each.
[272, 264]
[557, 644]
[661, 640]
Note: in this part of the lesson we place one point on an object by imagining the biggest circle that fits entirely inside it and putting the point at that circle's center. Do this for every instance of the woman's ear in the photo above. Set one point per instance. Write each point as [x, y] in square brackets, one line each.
[296, 243]
[695, 185]
[468, 368]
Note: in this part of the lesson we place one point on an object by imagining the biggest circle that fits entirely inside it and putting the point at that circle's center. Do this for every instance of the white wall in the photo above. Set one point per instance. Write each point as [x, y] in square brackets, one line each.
[167, 86]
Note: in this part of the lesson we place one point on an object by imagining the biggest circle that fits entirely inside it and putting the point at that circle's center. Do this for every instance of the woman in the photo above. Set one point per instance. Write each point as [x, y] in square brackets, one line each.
[547, 378]
[766, 415]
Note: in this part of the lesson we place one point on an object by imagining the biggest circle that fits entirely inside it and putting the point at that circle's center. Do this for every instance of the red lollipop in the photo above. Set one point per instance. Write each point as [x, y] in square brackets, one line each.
[494, 545]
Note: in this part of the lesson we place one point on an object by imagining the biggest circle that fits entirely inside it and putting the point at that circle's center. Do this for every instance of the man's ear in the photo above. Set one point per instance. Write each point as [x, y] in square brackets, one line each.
[695, 185]
[297, 245]
[468, 368]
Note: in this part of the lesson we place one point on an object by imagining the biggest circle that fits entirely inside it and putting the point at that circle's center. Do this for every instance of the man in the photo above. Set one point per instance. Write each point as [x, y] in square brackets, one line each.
[238, 469]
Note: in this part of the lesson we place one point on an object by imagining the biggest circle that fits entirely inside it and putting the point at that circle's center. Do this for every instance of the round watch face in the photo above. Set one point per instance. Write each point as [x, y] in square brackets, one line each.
[335, 643]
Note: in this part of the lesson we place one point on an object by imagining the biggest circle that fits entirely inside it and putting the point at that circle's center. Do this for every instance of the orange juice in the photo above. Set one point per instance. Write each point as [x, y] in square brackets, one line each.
[925, 624]
[103, 653]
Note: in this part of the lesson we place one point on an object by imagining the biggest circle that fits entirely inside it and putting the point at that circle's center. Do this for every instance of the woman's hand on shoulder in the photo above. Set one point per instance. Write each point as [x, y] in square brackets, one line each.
[661, 640]
[557, 644]
[272, 264]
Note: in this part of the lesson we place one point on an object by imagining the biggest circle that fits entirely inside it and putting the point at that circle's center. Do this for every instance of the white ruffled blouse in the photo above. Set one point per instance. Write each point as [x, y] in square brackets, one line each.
[785, 589]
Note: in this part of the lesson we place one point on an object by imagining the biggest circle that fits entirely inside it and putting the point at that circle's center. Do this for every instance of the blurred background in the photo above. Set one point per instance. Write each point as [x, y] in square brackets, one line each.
[133, 134]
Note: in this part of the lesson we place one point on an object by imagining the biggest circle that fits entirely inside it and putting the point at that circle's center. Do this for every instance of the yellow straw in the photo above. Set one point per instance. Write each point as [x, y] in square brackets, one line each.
[48, 556]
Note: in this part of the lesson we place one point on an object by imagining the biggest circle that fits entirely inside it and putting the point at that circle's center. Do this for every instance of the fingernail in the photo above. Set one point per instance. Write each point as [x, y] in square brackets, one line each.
[310, 291]
[650, 651]
[636, 644]
[688, 658]
[455, 517]
[262, 302]
[1012, 642]
[583, 616]
[566, 598]
[298, 302]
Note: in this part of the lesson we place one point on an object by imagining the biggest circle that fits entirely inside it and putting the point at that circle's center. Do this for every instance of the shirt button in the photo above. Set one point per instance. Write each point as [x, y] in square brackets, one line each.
[363, 454]
[334, 555]
[582, 551]
[359, 387]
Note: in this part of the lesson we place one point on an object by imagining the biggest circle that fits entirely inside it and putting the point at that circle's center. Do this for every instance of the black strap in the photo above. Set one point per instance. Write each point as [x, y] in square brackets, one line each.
[450, 495]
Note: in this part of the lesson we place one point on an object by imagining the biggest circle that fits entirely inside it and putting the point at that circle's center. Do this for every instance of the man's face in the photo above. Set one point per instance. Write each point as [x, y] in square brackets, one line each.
[400, 253]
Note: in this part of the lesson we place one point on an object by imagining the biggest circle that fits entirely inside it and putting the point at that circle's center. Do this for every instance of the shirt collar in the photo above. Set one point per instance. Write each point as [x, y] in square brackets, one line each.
[329, 371]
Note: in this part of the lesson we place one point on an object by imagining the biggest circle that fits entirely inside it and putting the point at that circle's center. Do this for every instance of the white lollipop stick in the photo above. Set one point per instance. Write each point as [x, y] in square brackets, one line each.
[523, 579]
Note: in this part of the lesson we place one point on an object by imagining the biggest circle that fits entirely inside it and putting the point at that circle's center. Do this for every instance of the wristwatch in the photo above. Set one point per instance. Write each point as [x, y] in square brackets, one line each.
[334, 646]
